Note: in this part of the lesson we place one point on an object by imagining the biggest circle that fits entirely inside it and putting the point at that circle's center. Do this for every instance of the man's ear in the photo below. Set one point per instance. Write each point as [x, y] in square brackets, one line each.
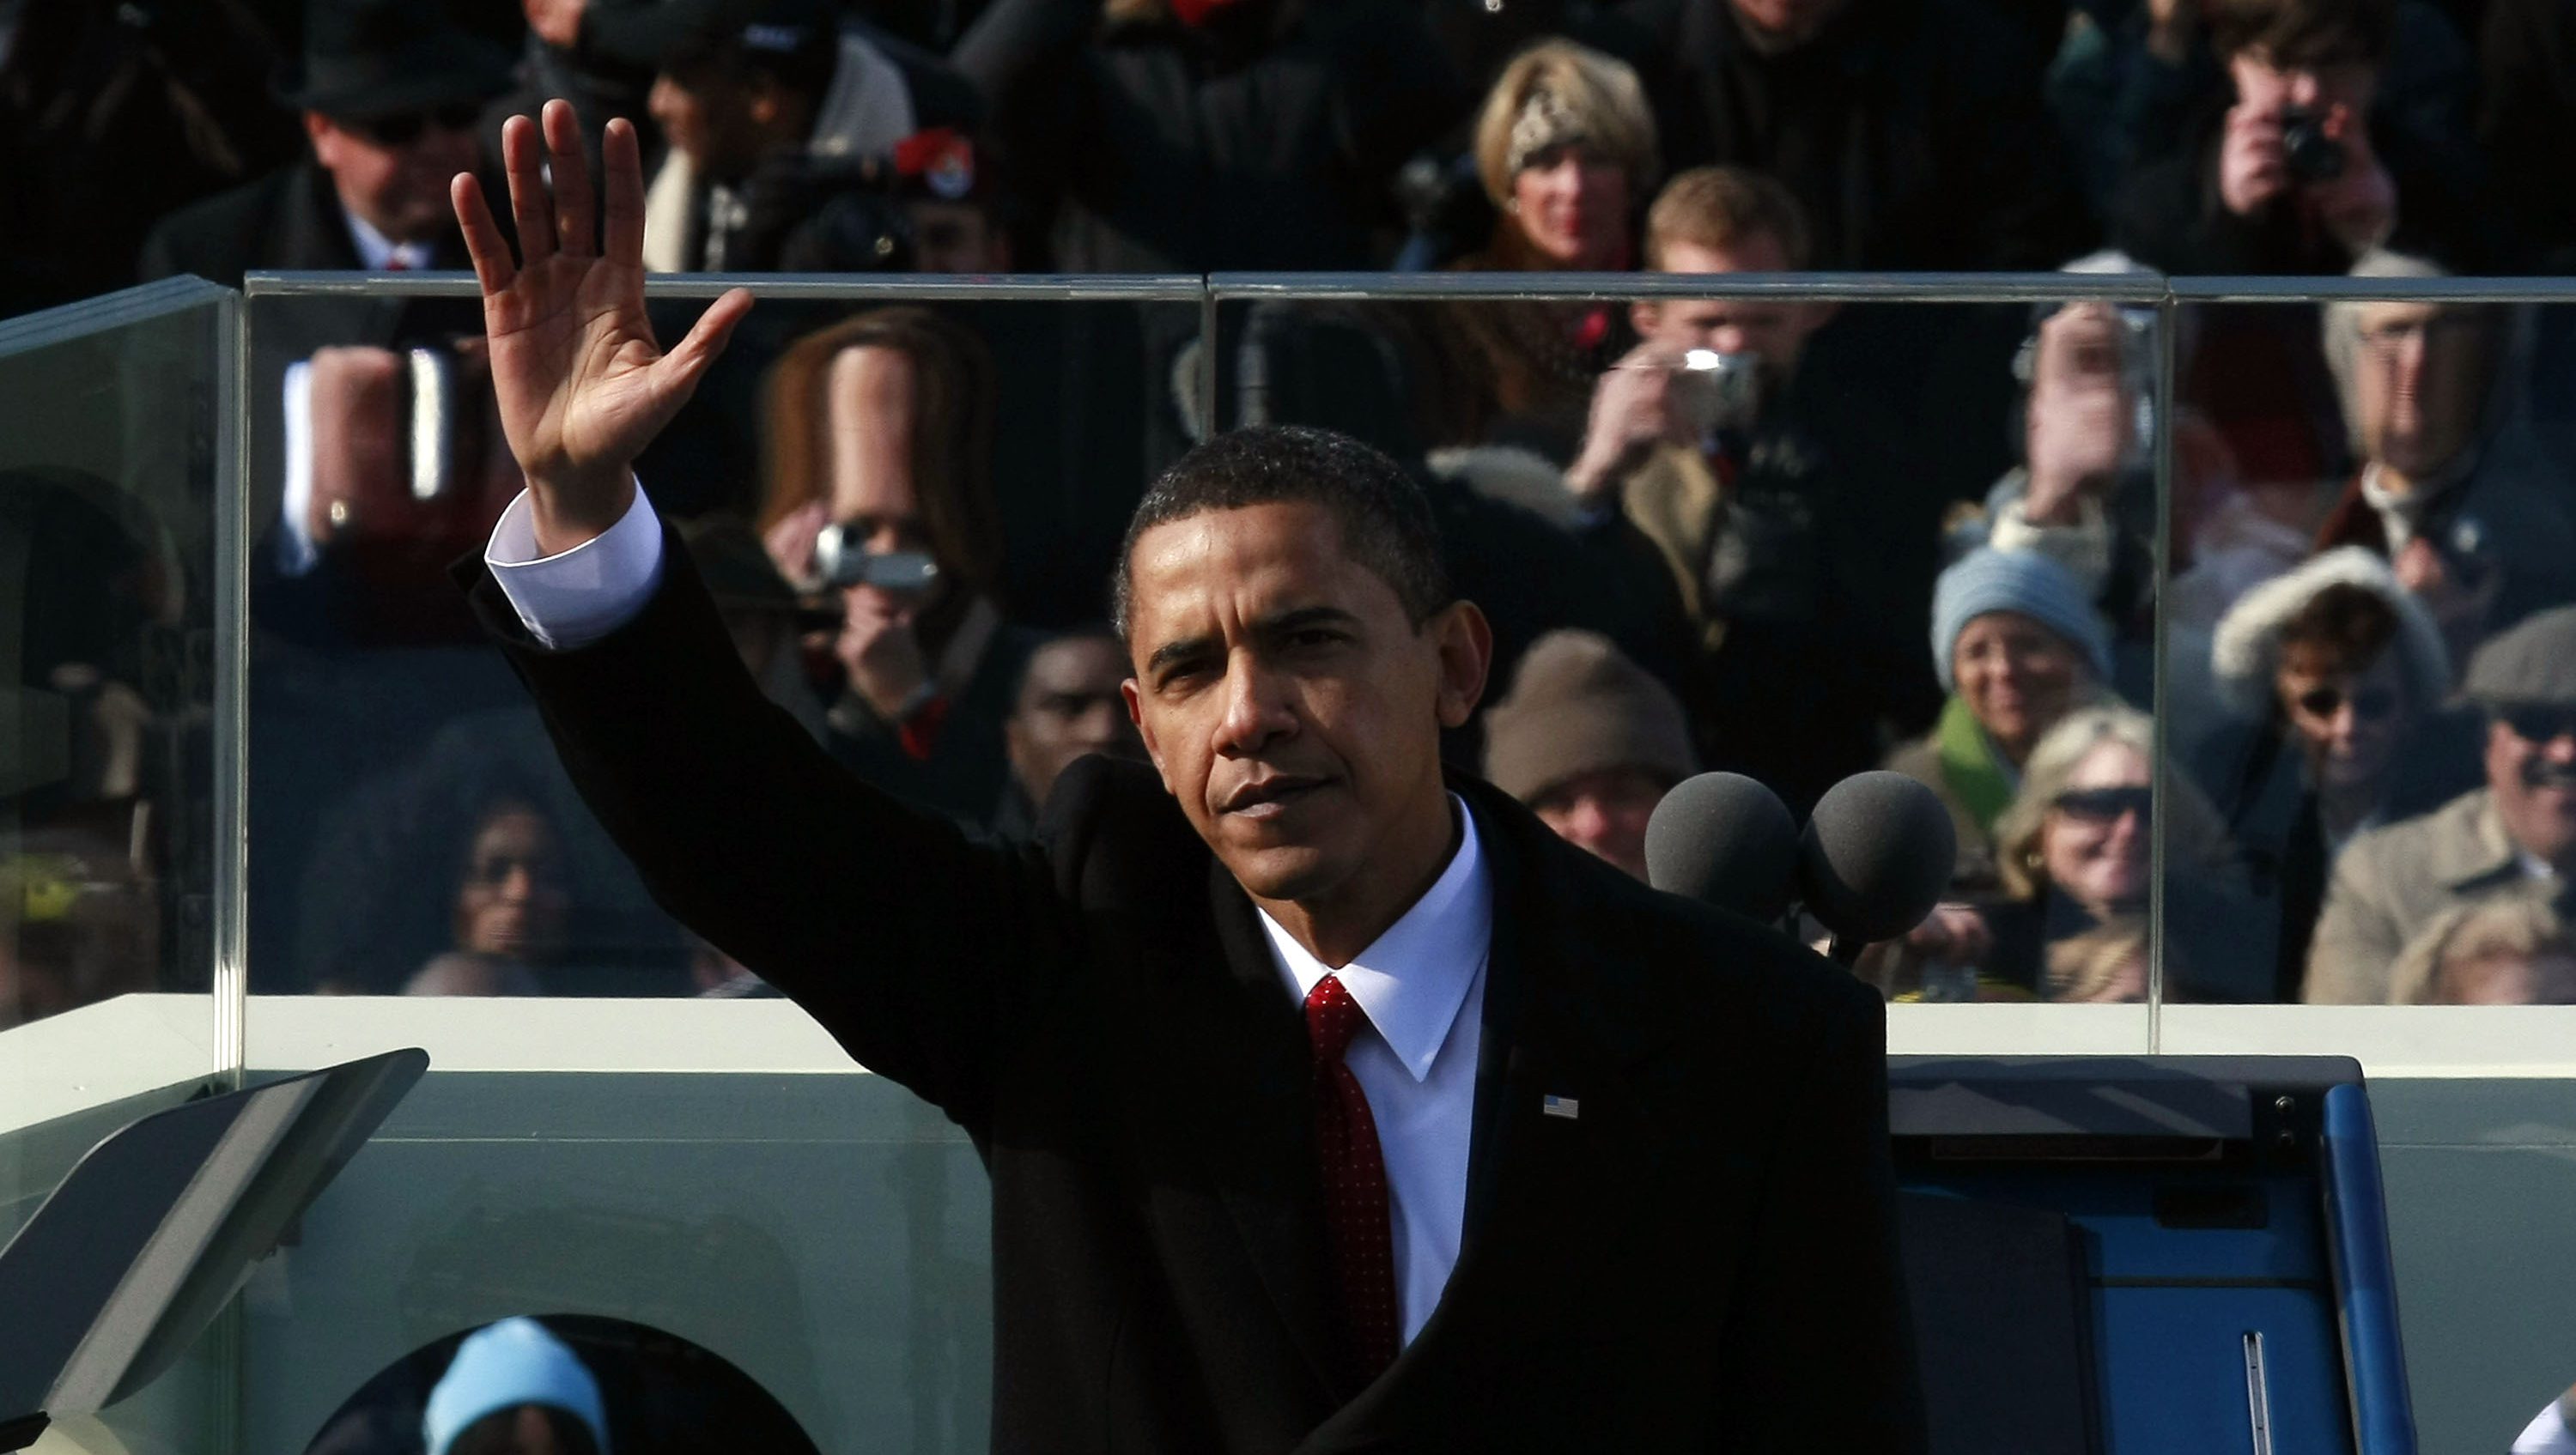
[1134, 697]
[1465, 641]
[323, 135]
[1642, 316]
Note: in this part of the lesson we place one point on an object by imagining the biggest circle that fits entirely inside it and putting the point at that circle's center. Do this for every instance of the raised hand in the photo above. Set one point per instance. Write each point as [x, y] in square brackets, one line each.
[581, 383]
[1631, 412]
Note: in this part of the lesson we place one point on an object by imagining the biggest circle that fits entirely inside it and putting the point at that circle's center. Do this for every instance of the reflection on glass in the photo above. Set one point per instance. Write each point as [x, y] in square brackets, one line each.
[108, 472]
[2358, 625]
[906, 515]
[1751, 527]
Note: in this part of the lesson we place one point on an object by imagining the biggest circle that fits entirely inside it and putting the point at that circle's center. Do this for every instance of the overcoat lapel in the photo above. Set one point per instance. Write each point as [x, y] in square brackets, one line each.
[1239, 1087]
[1548, 1193]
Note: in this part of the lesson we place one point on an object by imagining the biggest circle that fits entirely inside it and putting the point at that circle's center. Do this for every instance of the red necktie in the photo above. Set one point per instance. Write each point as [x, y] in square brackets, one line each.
[397, 263]
[1355, 1208]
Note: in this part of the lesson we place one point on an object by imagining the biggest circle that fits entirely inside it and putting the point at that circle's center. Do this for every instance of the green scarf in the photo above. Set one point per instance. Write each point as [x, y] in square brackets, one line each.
[1968, 764]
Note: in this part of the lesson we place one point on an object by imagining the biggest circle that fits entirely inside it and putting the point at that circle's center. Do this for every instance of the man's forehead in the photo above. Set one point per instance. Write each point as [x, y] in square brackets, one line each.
[1274, 546]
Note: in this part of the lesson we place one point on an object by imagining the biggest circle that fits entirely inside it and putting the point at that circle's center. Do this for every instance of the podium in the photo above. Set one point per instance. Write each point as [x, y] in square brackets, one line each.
[2149, 1256]
[156, 1228]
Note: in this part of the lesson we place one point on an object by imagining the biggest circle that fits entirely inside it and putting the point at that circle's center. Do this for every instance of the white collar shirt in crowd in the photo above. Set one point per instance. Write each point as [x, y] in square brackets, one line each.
[381, 253]
[1422, 986]
[1421, 983]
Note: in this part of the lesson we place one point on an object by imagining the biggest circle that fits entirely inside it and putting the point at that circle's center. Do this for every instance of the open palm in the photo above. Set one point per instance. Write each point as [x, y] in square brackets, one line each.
[582, 385]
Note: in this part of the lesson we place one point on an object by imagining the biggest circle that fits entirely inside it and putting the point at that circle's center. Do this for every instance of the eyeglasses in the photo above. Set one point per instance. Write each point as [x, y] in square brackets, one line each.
[2371, 704]
[2106, 805]
[2539, 723]
[403, 129]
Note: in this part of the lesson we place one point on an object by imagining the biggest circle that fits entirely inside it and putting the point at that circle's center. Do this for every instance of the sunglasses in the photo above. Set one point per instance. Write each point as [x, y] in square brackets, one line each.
[2106, 805]
[2371, 704]
[2539, 724]
[406, 127]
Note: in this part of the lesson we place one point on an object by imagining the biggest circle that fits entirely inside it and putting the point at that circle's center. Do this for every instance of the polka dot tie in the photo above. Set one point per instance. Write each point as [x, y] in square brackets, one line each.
[1356, 1220]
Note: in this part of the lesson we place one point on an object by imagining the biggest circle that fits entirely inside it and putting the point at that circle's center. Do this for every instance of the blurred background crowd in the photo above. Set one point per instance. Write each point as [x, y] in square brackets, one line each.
[1785, 537]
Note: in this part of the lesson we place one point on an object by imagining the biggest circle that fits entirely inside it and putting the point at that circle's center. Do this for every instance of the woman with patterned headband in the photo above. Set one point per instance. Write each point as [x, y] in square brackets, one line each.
[1565, 147]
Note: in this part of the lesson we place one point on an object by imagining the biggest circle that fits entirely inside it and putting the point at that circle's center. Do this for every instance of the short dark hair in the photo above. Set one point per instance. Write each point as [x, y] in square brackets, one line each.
[2293, 33]
[1386, 520]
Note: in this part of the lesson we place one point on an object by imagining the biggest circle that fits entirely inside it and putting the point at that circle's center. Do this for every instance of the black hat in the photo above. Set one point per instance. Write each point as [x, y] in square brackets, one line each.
[370, 58]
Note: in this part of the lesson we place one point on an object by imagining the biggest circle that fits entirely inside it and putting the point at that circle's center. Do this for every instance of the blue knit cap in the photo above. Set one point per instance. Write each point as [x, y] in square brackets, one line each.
[503, 1366]
[2022, 581]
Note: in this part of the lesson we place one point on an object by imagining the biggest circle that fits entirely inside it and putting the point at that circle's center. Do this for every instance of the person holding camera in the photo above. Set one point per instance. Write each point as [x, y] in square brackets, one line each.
[1780, 516]
[880, 506]
[2296, 175]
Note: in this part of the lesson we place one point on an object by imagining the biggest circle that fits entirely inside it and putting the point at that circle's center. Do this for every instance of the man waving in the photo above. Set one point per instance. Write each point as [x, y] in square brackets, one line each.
[1331, 1102]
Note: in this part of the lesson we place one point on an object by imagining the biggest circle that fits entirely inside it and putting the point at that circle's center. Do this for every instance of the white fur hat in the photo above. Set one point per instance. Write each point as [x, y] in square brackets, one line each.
[2247, 649]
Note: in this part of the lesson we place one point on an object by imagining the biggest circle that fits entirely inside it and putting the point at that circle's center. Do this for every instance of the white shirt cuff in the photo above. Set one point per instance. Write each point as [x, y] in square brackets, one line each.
[575, 597]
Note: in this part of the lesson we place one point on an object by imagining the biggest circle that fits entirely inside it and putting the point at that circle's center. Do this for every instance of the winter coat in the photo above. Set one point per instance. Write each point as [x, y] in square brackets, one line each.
[1266, 138]
[1912, 130]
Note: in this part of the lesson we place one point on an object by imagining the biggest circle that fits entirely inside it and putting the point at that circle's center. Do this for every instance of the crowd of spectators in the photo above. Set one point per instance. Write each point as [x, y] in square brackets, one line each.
[1773, 535]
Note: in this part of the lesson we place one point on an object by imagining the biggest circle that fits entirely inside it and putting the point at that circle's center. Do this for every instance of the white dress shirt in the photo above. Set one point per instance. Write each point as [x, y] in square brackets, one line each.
[575, 597]
[1422, 986]
[381, 253]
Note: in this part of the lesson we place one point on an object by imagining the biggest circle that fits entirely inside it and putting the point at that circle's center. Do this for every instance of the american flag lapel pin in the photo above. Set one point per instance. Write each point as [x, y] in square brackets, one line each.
[1561, 1106]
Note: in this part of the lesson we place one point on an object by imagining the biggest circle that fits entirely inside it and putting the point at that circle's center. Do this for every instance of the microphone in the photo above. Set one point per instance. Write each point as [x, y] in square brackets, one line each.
[1875, 859]
[1724, 839]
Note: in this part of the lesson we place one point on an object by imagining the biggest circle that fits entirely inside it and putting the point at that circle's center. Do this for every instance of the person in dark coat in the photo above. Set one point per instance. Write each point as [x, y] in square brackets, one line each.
[1188, 135]
[389, 94]
[1649, 1206]
[1911, 131]
[783, 118]
[2297, 171]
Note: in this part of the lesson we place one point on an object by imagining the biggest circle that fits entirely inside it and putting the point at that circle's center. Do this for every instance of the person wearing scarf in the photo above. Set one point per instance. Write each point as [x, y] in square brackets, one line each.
[2017, 647]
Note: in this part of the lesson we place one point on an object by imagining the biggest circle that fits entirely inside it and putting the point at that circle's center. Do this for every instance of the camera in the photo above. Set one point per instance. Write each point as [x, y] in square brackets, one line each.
[841, 561]
[1715, 391]
[2313, 156]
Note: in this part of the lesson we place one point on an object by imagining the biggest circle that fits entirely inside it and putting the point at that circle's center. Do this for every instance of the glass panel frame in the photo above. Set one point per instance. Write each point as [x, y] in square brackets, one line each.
[1929, 1028]
[68, 1081]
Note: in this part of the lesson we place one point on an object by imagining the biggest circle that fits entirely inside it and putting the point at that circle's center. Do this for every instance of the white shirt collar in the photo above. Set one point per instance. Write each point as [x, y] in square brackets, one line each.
[1411, 980]
[376, 250]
